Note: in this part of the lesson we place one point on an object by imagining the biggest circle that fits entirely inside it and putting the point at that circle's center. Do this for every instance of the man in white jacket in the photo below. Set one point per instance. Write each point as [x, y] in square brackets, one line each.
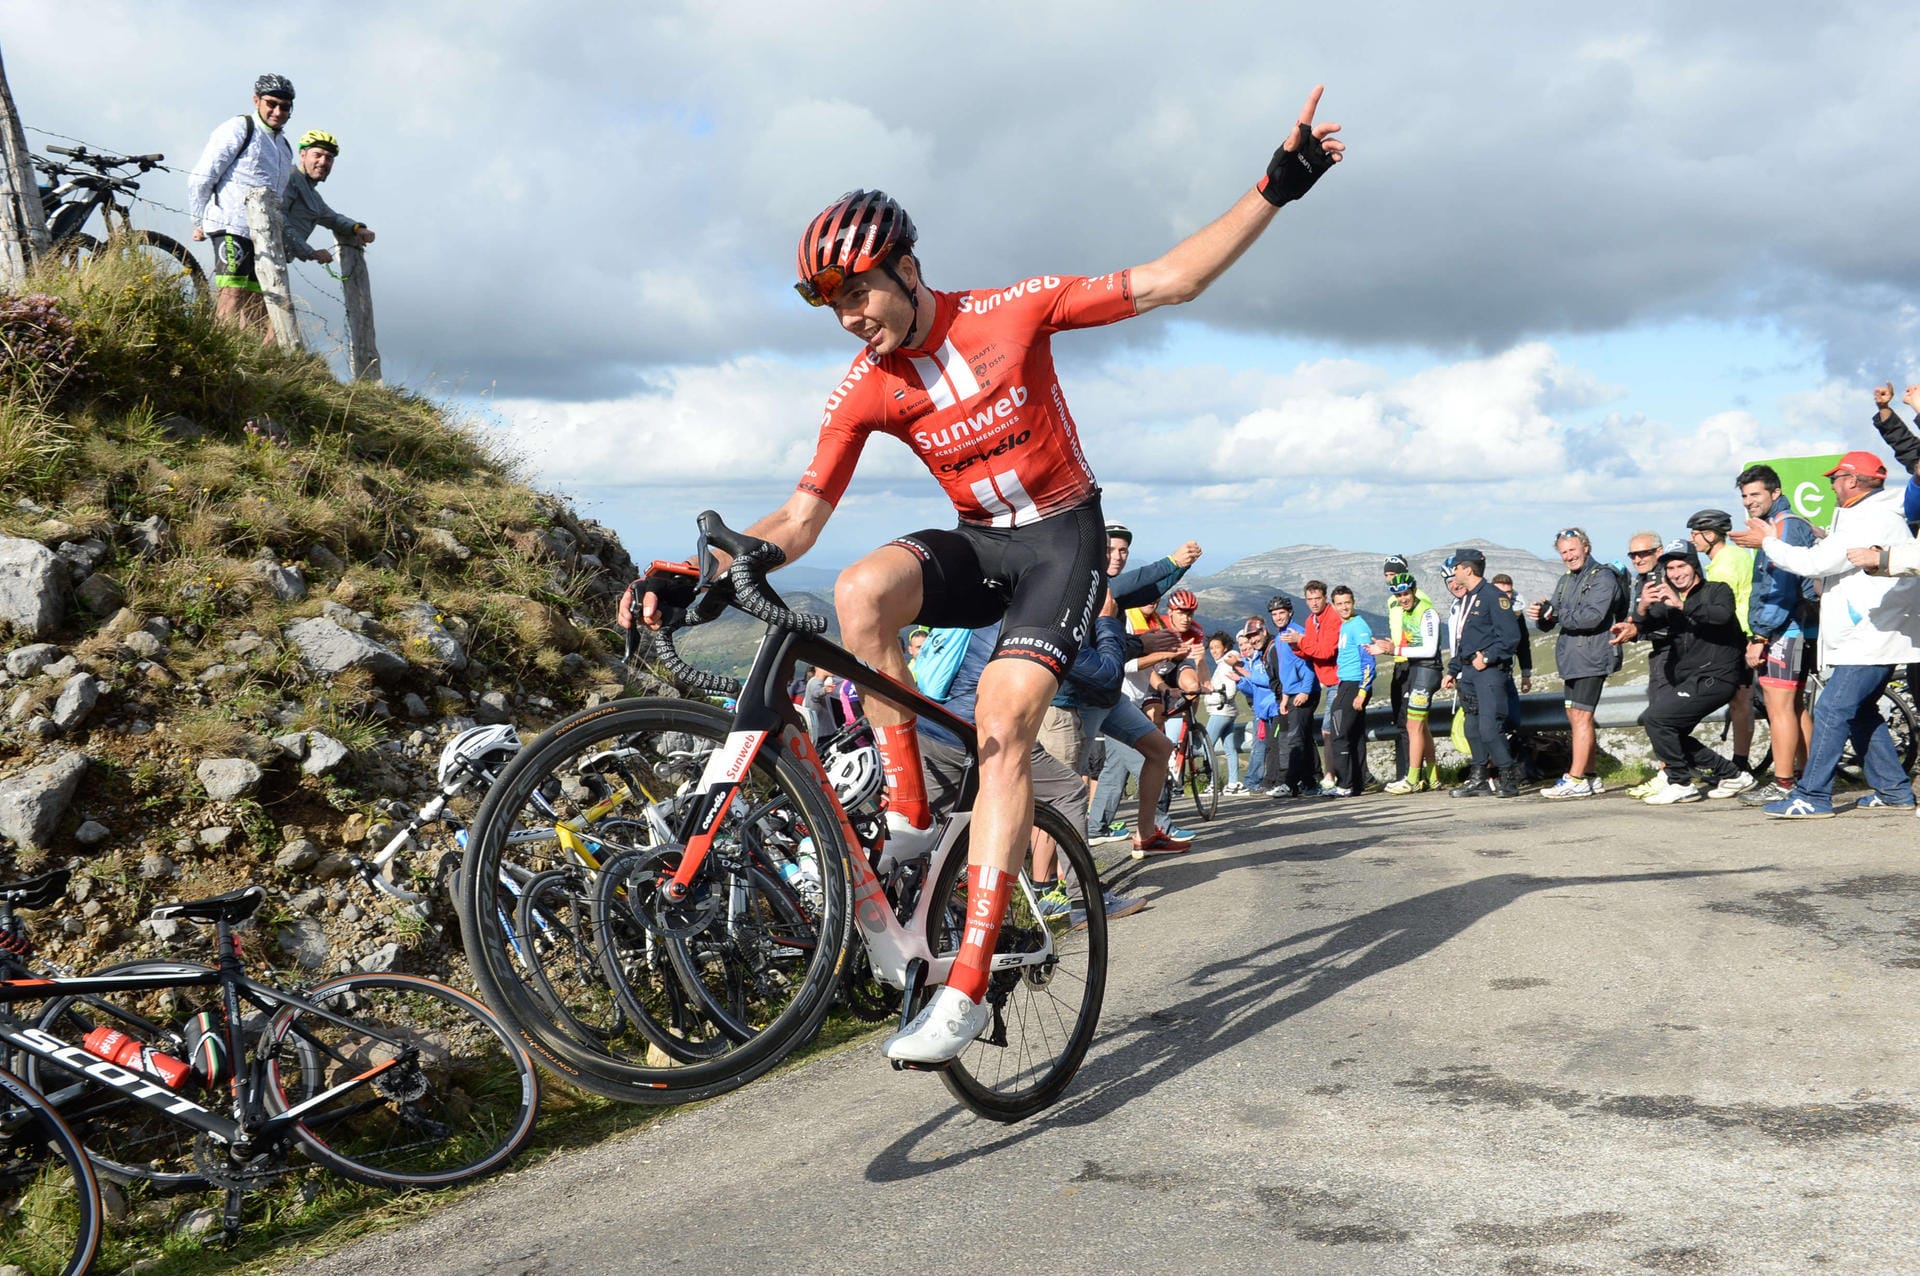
[244, 152]
[1868, 624]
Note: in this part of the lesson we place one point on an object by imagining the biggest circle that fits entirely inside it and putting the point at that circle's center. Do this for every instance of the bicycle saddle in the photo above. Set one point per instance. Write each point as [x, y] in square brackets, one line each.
[234, 906]
[37, 892]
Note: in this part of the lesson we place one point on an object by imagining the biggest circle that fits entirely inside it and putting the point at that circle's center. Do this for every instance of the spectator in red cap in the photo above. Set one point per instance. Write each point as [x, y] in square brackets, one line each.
[1868, 624]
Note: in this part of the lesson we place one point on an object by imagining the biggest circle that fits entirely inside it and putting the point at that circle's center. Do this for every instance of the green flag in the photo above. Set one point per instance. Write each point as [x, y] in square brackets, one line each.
[1803, 481]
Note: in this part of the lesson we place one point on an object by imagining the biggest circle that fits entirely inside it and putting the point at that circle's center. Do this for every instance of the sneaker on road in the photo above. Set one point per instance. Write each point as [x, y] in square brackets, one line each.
[1795, 807]
[1161, 843]
[1649, 786]
[1771, 791]
[1669, 794]
[1115, 832]
[1054, 903]
[1279, 791]
[1874, 804]
[1567, 787]
[1740, 783]
[1400, 788]
[1115, 906]
[941, 1030]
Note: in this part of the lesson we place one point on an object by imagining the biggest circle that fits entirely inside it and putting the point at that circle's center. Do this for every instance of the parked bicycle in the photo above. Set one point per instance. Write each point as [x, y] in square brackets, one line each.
[390, 1080]
[88, 183]
[734, 856]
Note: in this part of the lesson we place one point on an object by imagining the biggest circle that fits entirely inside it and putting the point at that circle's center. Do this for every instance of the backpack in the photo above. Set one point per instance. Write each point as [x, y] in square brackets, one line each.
[245, 142]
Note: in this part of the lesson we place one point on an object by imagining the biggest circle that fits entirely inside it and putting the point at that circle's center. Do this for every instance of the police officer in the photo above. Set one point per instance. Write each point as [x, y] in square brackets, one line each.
[1482, 670]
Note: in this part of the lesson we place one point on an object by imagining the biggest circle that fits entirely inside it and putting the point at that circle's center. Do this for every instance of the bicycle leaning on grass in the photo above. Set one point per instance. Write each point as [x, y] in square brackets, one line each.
[732, 866]
[88, 183]
[387, 1079]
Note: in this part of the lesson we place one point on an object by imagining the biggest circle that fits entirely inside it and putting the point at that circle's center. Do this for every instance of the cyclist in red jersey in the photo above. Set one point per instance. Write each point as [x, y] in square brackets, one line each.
[966, 380]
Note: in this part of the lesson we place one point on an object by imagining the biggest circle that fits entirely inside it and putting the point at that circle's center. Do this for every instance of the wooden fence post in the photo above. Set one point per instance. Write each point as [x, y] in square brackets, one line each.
[270, 264]
[363, 354]
[23, 223]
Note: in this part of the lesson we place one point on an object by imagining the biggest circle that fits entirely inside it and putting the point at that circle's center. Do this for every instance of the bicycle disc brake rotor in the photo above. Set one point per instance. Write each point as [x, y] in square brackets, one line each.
[640, 878]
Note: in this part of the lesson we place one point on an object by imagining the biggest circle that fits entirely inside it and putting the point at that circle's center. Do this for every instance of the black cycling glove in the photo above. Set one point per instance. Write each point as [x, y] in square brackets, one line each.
[1293, 173]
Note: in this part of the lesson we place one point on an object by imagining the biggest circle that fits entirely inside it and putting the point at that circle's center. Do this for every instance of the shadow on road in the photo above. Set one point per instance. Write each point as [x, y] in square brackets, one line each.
[1235, 1001]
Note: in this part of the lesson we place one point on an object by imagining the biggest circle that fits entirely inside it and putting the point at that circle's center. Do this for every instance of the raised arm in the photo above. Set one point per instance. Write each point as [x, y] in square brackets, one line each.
[1186, 270]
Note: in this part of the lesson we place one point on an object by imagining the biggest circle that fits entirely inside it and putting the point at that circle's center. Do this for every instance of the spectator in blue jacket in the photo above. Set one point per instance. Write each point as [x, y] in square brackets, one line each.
[1256, 683]
[1783, 615]
[1297, 700]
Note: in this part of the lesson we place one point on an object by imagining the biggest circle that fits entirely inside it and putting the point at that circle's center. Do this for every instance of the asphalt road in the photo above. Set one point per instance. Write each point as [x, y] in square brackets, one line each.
[1371, 1036]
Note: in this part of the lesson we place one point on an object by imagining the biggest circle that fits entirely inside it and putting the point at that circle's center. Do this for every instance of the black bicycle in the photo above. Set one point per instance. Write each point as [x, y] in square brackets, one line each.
[707, 870]
[390, 1080]
[87, 183]
[50, 1211]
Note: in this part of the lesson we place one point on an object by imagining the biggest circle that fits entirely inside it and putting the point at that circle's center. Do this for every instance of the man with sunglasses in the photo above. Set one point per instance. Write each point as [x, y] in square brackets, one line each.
[1586, 603]
[1644, 580]
[966, 380]
[247, 151]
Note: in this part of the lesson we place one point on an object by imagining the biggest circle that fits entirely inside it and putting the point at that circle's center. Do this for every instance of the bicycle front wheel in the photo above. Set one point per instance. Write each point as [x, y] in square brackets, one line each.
[1204, 767]
[50, 1212]
[421, 1087]
[712, 991]
[1044, 1011]
[172, 261]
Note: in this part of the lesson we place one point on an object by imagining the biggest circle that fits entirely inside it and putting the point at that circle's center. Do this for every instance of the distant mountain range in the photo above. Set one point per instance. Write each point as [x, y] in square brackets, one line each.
[1226, 598]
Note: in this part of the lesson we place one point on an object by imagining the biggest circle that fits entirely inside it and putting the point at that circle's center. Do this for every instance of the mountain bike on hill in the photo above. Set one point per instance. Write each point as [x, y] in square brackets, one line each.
[747, 860]
[88, 183]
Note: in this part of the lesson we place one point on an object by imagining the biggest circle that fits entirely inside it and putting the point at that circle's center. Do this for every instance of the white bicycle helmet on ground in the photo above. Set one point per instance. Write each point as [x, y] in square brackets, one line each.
[478, 753]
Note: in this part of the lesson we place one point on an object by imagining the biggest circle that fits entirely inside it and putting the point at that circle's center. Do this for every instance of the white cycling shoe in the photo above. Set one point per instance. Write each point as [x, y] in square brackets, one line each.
[941, 1030]
[905, 843]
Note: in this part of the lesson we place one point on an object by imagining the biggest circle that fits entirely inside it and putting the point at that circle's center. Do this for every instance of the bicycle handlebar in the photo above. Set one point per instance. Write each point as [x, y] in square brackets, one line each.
[93, 159]
[752, 560]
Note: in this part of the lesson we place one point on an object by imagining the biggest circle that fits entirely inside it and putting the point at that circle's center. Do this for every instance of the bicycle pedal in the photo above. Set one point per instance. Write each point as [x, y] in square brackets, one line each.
[909, 1065]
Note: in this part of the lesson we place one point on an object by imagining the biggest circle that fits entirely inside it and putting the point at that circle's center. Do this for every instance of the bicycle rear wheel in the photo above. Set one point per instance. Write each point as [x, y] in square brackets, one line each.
[50, 1215]
[459, 1107]
[1204, 766]
[603, 790]
[1045, 1014]
[125, 1138]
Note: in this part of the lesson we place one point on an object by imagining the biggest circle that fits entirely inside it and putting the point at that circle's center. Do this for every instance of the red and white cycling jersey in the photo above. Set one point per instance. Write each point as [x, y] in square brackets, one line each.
[979, 402]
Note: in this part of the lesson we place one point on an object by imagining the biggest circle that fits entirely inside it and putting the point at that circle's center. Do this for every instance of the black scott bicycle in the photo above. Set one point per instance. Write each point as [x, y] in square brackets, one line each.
[390, 1080]
[693, 877]
[86, 183]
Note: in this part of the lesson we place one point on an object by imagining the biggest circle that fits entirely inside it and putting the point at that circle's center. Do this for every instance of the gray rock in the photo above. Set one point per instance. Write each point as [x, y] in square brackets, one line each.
[311, 901]
[31, 585]
[163, 928]
[306, 942]
[18, 709]
[293, 744]
[245, 645]
[155, 868]
[494, 707]
[217, 837]
[573, 664]
[139, 726]
[77, 699]
[24, 662]
[82, 557]
[442, 543]
[227, 778]
[92, 833]
[219, 673]
[324, 754]
[159, 626]
[415, 707]
[32, 802]
[60, 670]
[41, 728]
[331, 868]
[450, 699]
[324, 560]
[183, 428]
[288, 584]
[424, 626]
[328, 649]
[384, 958]
[197, 1223]
[298, 856]
[149, 537]
[143, 645]
[101, 594]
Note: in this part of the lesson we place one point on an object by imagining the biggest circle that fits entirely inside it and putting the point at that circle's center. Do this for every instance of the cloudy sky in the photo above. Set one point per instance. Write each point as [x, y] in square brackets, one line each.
[1580, 266]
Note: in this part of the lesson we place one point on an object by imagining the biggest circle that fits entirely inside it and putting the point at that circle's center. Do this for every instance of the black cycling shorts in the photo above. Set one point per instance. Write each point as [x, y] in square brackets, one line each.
[233, 262]
[1584, 693]
[1044, 582]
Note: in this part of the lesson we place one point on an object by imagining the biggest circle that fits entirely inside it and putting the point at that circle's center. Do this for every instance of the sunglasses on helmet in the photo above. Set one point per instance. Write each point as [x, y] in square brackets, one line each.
[823, 287]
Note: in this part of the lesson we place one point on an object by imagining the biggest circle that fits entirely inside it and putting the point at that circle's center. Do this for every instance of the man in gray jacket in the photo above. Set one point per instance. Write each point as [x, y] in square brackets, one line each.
[1585, 604]
[304, 207]
[244, 152]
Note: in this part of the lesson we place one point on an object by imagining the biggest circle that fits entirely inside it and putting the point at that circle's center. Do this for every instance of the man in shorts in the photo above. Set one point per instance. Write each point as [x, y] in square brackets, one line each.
[1585, 605]
[246, 151]
[966, 379]
[1783, 626]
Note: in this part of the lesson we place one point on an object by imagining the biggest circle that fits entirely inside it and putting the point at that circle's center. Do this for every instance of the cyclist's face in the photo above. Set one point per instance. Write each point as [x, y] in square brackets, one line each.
[875, 309]
[273, 110]
[1178, 618]
[316, 162]
[1117, 552]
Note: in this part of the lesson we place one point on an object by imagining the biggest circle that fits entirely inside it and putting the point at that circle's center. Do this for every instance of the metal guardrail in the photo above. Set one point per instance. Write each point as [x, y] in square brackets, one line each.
[1539, 711]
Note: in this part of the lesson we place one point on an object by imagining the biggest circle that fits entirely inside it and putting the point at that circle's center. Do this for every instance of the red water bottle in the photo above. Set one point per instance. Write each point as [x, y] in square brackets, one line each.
[117, 1047]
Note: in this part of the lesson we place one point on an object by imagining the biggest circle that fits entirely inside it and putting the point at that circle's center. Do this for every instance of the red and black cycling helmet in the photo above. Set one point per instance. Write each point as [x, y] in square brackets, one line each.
[858, 231]
[1183, 600]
